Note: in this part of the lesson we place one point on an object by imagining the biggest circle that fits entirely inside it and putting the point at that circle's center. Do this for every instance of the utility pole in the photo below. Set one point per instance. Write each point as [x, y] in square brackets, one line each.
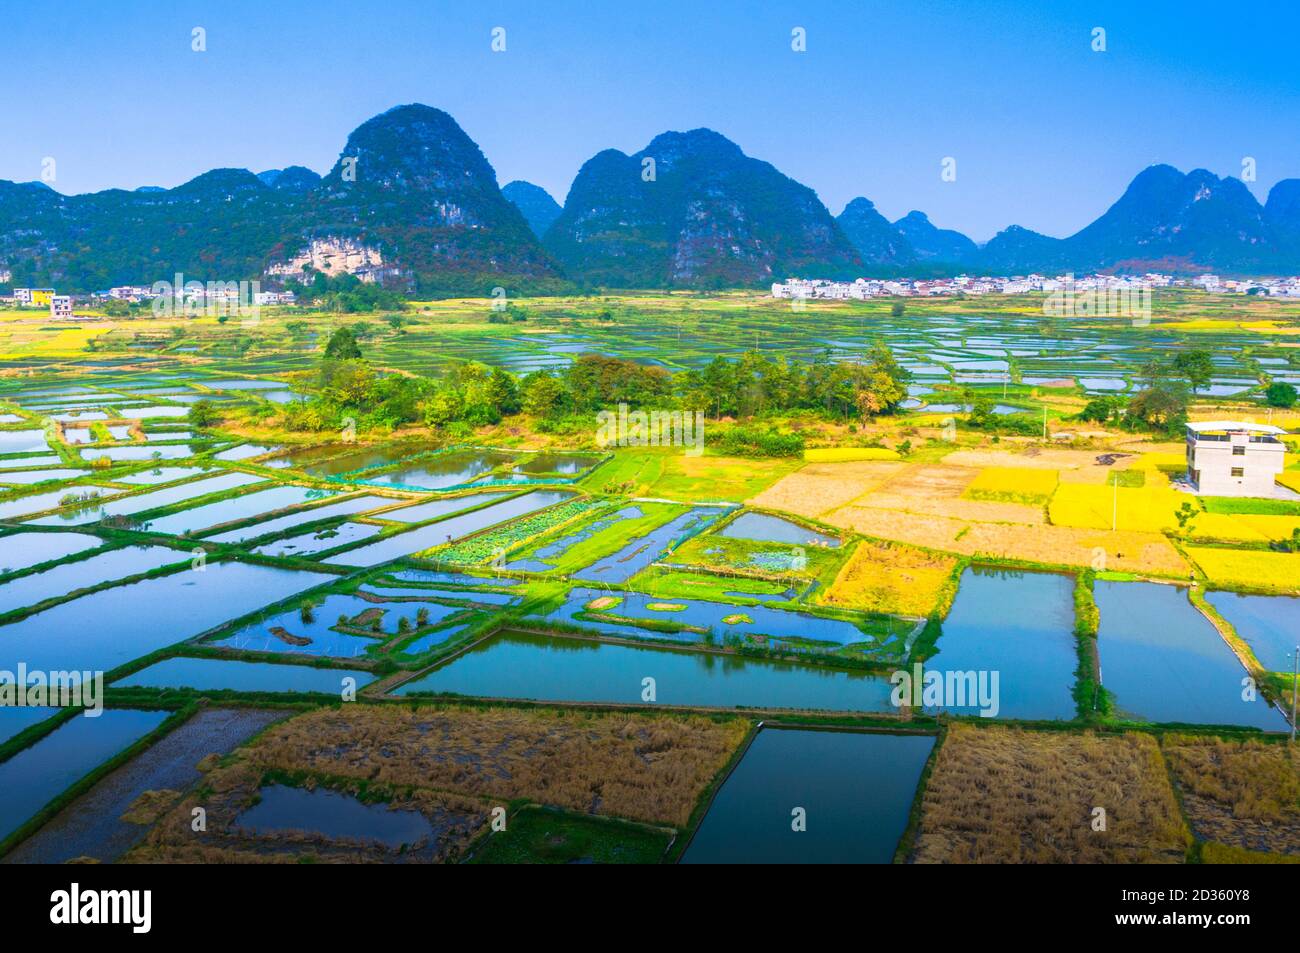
[1295, 677]
[1044, 421]
[1114, 510]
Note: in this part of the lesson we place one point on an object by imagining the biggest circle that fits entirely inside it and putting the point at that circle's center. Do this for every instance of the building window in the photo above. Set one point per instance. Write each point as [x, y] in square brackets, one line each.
[1238, 451]
[1239, 471]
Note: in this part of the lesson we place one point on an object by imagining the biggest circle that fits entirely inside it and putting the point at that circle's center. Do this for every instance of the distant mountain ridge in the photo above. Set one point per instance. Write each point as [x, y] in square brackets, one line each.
[692, 210]
[412, 200]
[534, 203]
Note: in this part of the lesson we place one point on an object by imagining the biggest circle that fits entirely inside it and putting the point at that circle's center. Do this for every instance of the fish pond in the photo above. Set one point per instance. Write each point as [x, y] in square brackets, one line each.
[553, 668]
[854, 789]
[215, 675]
[1165, 662]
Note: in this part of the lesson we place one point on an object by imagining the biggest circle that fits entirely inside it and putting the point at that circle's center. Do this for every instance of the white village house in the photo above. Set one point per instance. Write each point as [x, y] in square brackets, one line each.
[1234, 458]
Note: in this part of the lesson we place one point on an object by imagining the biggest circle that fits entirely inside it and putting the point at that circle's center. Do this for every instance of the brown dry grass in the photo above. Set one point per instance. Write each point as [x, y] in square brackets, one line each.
[643, 767]
[1241, 793]
[891, 577]
[1005, 795]
[819, 487]
[1049, 545]
[1032, 458]
[228, 791]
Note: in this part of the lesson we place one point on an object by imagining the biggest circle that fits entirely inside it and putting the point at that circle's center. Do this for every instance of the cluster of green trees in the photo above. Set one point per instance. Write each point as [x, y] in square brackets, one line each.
[346, 294]
[1166, 389]
[471, 395]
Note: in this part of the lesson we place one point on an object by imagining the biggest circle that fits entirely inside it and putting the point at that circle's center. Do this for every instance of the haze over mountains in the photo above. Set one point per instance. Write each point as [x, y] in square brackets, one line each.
[415, 199]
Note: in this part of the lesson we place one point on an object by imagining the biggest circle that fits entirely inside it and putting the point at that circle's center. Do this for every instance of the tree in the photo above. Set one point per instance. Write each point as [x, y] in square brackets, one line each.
[1196, 366]
[1162, 406]
[342, 346]
[542, 394]
[1281, 394]
[203, 413]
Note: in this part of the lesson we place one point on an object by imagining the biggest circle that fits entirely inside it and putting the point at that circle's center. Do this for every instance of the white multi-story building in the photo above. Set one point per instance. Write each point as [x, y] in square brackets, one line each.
[1233, 458]
[61, 306]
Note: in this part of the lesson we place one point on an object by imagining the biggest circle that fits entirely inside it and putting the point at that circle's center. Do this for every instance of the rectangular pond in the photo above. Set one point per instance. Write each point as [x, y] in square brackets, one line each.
[318, 541]
[553, 668]
[1020, 625]
[433, 509]
[773, 529]
[854, 790]
[215, 675]
[778, 624]
[358, 504]
[641, 551]
[315, 633]
[102, 567]
[155, 499]
[105, 629]
[440, 470]
[1270, 624]
[1165, 662]
[450, 529]
[24, 550]
[36, 775]
[233, 508]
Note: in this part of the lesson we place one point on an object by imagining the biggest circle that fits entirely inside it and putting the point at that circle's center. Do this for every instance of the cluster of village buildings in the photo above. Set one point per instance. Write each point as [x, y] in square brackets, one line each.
[980, 285]
[196, 298]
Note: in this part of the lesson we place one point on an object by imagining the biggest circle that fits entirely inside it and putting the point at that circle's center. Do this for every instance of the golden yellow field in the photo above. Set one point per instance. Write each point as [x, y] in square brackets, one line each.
[1004, 795]
[891, 577]
[845, 454]
[1013, 484]
[1290, 479]
[1140, 509]
[1248, 569]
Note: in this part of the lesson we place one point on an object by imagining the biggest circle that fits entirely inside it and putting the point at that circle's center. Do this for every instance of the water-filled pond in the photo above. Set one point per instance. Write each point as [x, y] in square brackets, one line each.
[318, 627]
[334, 815]
[59, 580]
[23, 441]
[433, 509]
[565, 464]
[317, 541]
[214, 675]
[105, 629]
[24, 550]
[452, 528]
[1165, 662]
[441, 471]
[641, 551]
[357, 504]
[233, 508]
[854, 790]
[544, 557]
[773, 529]
[1270, 624]
[778, 624]
[36, 775]
[154, 499]
[553, 668]
[1020, 625]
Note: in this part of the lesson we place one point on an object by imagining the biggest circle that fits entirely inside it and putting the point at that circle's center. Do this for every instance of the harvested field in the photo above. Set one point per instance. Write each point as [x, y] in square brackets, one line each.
[820, 487]
[1049, 545]
[1005, 795]
[229, 791]
[891, 577]
[1240, 793]
[1032, 459]
[649, 768]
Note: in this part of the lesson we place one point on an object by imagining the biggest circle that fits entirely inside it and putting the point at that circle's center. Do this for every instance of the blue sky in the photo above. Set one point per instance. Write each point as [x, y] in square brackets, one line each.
[1046, 132]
